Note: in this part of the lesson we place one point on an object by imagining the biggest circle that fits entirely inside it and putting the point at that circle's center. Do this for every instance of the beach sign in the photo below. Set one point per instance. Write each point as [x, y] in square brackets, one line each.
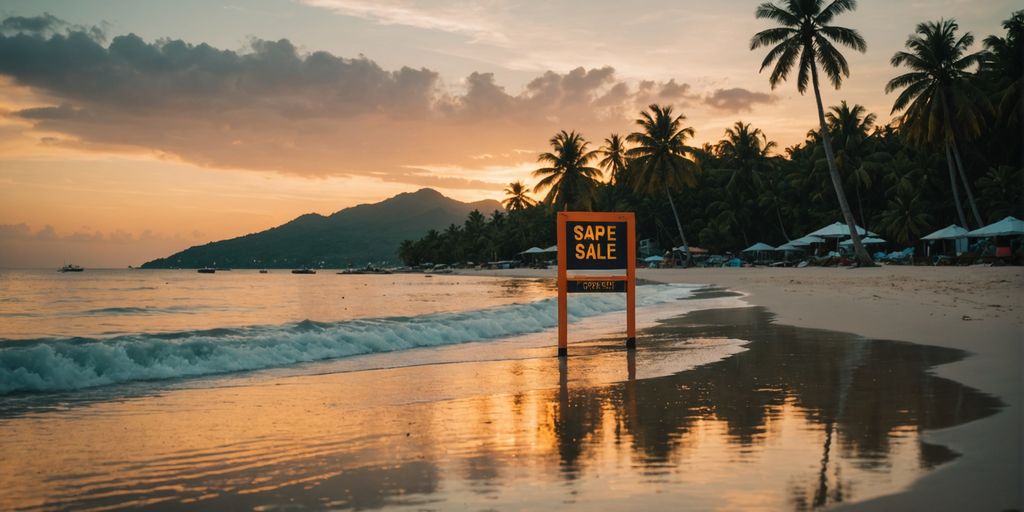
[596, 241]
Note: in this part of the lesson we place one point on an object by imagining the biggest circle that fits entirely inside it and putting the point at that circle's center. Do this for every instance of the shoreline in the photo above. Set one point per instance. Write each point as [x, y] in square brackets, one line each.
[725, 404]
[978, 310]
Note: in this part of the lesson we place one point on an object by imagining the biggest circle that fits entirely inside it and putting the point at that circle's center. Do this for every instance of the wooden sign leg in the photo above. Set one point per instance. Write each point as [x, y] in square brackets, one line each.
[563, 289]
[631, 314]
[563, 322]
[631, 286]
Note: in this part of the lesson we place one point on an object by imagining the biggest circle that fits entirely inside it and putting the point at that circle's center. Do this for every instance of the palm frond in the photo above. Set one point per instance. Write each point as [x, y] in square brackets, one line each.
[772, 12]
[834, 9]
[845, 36]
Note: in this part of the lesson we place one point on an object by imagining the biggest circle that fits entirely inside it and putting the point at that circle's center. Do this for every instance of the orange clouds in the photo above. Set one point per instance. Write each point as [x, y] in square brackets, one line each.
[275, 108]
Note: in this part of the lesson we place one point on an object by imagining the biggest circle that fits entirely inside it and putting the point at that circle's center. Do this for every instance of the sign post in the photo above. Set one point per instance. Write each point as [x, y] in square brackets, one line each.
[596, 241]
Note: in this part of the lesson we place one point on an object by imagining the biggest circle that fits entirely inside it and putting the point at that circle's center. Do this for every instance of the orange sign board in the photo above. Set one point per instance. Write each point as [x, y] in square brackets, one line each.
[596, 241]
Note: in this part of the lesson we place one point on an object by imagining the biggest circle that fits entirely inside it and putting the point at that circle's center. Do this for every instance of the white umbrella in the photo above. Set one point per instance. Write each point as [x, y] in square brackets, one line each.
[790, 247]
[553, 248]
[758, 247]
[1010, 226]
[946, 233]
[654, 259]
[808, 240]
[839, 230]
[533, 250]
[866, 241]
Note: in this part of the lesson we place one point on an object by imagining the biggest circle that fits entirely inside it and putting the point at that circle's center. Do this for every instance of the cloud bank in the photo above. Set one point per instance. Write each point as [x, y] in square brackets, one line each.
[273, 107]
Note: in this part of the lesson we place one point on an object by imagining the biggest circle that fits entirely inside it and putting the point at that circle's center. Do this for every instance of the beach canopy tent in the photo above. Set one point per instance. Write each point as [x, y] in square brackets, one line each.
[807, 240]
[866, 241]
[759, 247]
[1010, 226]
[553, 248]
[533, 250]
[790, 247]
[840, 230]
[949, 232]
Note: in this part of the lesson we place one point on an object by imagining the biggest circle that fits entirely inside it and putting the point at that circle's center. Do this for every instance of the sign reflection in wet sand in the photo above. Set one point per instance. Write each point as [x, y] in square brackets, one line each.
[801, 419]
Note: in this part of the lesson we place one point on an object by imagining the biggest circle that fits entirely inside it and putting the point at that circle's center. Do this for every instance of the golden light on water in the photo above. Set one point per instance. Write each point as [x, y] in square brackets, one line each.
[528, 431]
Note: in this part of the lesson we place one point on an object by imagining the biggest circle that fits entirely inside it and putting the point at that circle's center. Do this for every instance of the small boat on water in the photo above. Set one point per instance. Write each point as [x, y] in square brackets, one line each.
[303, 271]
[206, 270]
[71, 268]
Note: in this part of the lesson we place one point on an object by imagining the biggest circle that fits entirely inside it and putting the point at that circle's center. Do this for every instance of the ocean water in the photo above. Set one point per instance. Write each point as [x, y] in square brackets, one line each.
[61, 332]
[170, 390]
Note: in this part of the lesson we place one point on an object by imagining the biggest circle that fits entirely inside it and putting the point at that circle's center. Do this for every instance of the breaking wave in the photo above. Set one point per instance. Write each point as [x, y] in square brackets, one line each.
[69, 364]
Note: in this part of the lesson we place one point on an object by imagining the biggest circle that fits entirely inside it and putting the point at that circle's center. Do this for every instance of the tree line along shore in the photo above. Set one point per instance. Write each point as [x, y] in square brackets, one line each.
[954, 153]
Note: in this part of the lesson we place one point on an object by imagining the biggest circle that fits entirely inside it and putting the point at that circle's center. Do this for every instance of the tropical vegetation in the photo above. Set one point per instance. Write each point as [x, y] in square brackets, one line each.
[957, 133]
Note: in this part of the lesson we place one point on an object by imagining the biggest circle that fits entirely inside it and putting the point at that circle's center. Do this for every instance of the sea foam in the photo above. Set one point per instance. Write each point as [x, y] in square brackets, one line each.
[69, 364]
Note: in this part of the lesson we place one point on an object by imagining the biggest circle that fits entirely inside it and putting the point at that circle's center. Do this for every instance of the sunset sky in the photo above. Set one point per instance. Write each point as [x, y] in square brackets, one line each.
[133, 129]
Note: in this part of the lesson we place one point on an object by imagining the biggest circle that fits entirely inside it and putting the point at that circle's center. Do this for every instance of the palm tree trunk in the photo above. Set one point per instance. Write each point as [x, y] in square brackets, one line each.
[860, 207]
[778, 215]
[863, 259]
[678, 225]
[956, 191]
[967, 185]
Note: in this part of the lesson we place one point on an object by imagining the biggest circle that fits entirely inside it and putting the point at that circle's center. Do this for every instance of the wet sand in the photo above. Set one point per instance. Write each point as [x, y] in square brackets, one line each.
[978, 310]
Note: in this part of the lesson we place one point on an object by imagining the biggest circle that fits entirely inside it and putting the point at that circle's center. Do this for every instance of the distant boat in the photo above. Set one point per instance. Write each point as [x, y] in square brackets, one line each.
[71, 268]
[303, 271]
[206, 270]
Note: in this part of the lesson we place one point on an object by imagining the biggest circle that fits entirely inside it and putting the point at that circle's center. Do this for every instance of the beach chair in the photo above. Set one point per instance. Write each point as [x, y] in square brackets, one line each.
[903, 257]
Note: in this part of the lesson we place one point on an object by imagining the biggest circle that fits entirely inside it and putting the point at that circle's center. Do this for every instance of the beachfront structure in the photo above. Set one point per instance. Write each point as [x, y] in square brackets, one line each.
[840, 230]
[1010, 226]
[950, 232]
[866, 241]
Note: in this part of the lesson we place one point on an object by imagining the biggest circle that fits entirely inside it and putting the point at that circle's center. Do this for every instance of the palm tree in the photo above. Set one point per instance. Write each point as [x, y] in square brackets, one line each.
[851, 127]
[806, 39]
[904, 219]
[517, 198]
[744, 158]
[1002, 191]
[939, 97]
[572, 182]
[1004, 70]
[1006, 62]
[660, 157]
[614, 153]
[746, 153]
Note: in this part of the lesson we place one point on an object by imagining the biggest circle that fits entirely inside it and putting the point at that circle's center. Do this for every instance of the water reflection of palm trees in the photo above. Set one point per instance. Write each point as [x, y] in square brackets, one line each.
[860, 393]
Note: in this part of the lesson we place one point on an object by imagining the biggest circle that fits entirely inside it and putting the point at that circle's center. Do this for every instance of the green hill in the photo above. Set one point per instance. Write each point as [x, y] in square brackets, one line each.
[356, 235]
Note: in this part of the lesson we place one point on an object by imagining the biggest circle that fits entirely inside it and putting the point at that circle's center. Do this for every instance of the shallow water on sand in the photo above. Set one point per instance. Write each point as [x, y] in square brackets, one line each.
[773, 417]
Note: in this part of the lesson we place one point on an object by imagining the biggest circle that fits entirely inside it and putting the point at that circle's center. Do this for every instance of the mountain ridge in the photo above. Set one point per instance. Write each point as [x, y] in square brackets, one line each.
[367, 232]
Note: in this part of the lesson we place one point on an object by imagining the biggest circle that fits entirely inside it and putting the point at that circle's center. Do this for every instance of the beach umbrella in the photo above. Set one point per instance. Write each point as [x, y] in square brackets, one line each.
[553, 248]
[807, 240]
[866, 241]
[839, 230]
[533, 250]
[949, 232]
[1010, 226]
[759, 247]
[654, 259]
[790, 247]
